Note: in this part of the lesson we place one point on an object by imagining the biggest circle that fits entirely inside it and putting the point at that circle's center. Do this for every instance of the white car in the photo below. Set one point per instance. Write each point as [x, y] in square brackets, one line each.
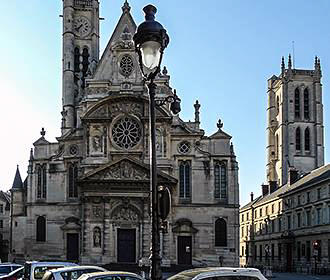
[219, 273]
[71, 272]
[35, 270]
[111, 275]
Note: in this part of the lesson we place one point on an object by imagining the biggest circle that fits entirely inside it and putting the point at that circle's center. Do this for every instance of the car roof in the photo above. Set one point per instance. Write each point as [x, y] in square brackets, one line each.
[191, 273]
[46, 263]
[11, 264]
[76, 267]
[96, 274]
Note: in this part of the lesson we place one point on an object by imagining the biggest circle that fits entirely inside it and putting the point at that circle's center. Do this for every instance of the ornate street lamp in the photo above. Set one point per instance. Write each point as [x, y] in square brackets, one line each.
[150, 42]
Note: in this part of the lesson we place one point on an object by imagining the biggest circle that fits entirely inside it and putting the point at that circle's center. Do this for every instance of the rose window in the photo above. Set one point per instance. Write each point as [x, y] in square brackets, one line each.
[126, 133]
[184, 147]
[126, 65]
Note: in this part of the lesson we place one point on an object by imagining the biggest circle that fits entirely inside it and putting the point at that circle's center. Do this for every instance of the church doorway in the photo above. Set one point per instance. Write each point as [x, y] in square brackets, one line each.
[184, 250]
[289, 257]
[126, 245]
[72, 246]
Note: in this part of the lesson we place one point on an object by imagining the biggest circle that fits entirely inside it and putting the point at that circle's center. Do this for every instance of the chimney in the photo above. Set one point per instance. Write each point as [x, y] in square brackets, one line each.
[265, 189]
[251, 194]
[272, 186]
[293, 175]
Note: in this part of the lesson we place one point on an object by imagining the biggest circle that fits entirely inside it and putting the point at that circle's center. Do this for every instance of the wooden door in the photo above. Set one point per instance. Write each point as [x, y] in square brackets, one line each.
[72, 246]
[184, 250]
[126, 245]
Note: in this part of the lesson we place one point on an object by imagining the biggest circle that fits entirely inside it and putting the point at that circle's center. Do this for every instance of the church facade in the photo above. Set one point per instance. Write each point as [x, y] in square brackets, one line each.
[86, 197]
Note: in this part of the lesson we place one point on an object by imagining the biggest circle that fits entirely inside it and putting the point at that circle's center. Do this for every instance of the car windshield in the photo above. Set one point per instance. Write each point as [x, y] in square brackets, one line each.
[231, 278]
[5, 269]
[117, 277]
[39, 271]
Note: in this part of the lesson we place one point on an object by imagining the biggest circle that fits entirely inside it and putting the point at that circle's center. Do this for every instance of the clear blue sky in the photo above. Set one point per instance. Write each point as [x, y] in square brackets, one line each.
[221, 53]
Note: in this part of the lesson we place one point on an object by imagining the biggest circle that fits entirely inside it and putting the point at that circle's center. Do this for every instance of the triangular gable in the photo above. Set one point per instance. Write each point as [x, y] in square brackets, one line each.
[126, 169]
[126, 25]
[220, 135]
[41, 141]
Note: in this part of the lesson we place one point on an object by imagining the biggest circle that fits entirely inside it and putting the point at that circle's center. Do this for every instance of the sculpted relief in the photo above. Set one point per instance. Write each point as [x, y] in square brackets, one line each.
[123, 170]
[125, 214]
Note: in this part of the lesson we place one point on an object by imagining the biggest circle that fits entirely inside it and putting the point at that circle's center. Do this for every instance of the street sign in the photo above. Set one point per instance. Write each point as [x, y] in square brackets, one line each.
[164, 202]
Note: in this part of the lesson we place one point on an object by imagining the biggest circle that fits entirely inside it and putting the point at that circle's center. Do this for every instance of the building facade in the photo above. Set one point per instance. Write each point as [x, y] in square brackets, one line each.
[86, 196]
[4, 225]
[288, 226]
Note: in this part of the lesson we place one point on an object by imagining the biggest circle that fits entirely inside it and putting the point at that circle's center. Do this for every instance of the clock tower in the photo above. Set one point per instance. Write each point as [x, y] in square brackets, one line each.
[80, 54]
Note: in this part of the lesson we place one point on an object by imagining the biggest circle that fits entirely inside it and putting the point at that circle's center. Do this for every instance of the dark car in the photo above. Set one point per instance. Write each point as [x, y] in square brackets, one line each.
[14, 275]
[6, 268]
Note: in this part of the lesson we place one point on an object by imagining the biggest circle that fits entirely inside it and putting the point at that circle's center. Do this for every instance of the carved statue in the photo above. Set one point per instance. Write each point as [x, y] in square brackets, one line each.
[97, 237]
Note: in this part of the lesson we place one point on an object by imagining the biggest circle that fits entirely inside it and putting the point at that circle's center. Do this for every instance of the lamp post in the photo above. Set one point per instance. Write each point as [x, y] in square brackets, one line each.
[150, 42]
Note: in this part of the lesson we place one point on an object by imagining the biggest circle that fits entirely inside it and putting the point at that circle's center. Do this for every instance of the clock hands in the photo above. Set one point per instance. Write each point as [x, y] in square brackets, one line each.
[80, 26]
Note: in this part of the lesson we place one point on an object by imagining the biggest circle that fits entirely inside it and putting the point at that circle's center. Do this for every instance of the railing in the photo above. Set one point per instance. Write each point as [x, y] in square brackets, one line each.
[83, 3]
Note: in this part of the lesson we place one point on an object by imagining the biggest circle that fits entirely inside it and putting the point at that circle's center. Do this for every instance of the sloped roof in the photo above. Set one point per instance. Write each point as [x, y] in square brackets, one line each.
[17, 184]
[246, 206]
[316, 176]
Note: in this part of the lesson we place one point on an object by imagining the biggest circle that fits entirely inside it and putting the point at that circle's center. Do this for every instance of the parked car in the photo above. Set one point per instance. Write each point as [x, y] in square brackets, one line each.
[35, 270]
[111, 275]
[71, 272]
[14, 275]
[219, 273]
[6, 268]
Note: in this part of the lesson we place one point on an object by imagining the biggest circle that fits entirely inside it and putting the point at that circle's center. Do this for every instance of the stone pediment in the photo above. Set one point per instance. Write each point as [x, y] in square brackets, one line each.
[125, 169]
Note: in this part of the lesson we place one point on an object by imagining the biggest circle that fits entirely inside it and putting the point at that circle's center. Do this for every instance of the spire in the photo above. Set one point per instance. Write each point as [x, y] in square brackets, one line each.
[289, 62]
[17, 184]
[319, 64]
[197, 106]
[31, 154]
[282, 65]
[126, 7]
[316, 63]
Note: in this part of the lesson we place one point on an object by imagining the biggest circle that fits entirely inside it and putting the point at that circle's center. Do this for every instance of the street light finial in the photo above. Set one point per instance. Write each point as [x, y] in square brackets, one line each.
[150, 12]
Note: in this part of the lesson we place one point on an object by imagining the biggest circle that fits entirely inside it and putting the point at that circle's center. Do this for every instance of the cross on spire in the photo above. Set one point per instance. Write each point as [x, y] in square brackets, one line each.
[219, 124]
[43, 132]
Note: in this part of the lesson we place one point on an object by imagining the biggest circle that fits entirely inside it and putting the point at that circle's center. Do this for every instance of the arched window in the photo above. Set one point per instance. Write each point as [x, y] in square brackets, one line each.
[85, 61]
[276, 146]
[220, 232]
[306, 104]
[160, 143]
[220, 180]
[297, 103]
[277, 105]
[41, 229]
[41, 181]
[76, 59]
[307, 139]
[73, 174]
[298, 139]
[185, 171]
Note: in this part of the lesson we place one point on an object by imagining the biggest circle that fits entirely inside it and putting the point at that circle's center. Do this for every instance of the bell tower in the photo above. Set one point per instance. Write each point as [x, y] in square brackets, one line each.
[295, 132]
[80, 54]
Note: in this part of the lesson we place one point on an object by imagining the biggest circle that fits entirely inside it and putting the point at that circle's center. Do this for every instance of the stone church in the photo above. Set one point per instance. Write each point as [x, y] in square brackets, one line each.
[86, 197]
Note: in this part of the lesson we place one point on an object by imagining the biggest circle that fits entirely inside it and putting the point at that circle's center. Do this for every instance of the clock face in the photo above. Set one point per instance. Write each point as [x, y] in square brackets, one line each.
[81, 26]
